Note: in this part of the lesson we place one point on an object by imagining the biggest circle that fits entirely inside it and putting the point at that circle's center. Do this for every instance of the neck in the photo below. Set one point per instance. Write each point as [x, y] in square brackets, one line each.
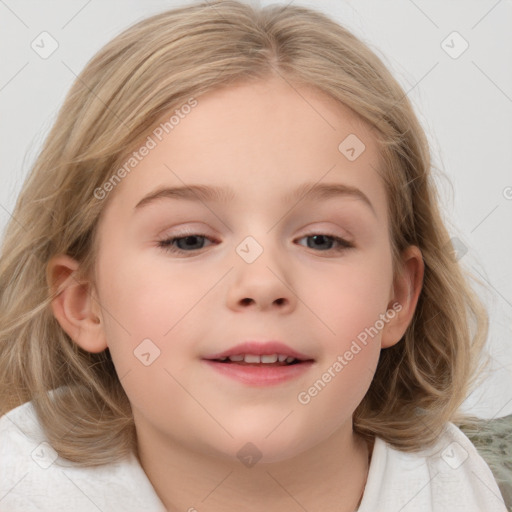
[329, 477]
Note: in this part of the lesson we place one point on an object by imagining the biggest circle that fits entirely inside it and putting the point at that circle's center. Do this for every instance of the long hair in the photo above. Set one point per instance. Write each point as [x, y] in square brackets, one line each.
[152, 68]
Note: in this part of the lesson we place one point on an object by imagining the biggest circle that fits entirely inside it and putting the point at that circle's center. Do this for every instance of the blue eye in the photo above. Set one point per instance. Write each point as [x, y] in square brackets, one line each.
[319, 241]
[192, 242]
[183, 244]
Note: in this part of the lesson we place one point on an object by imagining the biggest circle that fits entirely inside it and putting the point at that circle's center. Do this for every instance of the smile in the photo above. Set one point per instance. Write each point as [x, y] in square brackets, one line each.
[275, 359]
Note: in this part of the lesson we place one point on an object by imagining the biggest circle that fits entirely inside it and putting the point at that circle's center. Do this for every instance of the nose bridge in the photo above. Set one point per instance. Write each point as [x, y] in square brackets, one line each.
[260, 277]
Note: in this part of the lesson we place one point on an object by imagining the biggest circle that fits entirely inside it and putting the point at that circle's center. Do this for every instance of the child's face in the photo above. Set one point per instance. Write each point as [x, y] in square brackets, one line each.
[264, 141]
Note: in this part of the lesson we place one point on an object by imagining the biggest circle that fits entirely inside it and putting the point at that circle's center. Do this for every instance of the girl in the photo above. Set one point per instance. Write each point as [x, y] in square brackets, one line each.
[227, 284]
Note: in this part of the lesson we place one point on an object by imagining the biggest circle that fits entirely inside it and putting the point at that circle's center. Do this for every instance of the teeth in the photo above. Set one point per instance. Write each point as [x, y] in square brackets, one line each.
[253, 358]
[250, 358]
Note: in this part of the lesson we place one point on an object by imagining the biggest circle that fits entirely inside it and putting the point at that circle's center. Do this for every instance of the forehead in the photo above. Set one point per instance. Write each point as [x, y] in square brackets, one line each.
[261, 138]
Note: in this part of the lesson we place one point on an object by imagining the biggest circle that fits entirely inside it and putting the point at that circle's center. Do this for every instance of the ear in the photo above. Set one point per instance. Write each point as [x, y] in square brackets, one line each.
[75, 306]
[407, 286]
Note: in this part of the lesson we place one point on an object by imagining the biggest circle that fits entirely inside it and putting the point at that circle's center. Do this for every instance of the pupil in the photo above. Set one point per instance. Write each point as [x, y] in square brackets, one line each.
[322, 238]
[188, 241]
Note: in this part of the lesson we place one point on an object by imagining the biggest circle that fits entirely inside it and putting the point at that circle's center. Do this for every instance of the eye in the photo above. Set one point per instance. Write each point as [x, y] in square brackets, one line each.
[191, 242]
[182, 244]
[324, 242]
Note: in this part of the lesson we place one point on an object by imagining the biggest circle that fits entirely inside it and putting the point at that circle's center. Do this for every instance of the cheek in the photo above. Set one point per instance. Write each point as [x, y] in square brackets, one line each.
[353, 297]
[147, 295]
[146, 312]
[352, 308]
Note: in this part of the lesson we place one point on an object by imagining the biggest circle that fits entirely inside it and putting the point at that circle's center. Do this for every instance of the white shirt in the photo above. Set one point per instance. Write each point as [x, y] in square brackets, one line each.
[450, 477]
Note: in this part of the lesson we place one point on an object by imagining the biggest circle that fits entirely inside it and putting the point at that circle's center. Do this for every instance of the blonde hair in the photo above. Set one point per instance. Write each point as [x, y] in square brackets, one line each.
[149, 69]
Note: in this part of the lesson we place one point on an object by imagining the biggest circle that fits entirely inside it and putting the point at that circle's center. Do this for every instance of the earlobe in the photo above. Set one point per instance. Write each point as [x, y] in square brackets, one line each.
[74, 305]
[406, 291]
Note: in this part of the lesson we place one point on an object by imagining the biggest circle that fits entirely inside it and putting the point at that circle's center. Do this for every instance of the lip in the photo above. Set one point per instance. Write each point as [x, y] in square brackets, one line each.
[260, 348]
[260, 375]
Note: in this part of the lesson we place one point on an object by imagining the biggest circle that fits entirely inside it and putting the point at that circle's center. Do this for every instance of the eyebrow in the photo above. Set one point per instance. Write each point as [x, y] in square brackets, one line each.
[205, 193]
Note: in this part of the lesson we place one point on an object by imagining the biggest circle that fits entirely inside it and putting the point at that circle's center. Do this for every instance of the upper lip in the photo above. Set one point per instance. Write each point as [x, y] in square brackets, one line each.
[260, 348]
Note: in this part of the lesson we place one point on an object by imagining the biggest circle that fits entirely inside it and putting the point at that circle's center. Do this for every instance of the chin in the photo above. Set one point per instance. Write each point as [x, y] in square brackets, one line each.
[262, 448]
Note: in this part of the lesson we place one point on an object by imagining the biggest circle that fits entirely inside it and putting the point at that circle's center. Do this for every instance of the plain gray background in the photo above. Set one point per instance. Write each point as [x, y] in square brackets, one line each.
[462, 98]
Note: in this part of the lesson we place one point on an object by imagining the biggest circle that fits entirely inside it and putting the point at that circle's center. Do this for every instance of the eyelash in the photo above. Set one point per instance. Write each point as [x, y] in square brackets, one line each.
[167, 244]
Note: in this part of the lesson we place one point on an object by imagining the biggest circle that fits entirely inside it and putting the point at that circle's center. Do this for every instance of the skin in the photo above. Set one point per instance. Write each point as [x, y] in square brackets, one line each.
[263, 139]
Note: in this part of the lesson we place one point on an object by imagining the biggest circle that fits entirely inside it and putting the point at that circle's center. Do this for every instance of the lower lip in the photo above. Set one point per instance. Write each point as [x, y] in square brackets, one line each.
[260, 375]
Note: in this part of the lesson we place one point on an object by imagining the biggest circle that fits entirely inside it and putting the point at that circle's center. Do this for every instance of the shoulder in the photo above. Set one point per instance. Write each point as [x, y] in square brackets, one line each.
[34, 478]
[450, 476]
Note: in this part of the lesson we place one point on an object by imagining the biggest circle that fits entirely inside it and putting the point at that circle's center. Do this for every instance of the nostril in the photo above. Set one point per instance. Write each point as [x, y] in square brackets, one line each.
[247, 300]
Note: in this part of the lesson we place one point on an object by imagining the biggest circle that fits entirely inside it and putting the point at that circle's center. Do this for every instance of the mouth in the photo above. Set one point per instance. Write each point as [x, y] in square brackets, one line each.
[270, 353]
[260, 364]
[265, 360]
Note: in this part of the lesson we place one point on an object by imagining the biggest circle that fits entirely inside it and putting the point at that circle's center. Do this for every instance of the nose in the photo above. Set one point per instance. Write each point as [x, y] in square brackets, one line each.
[261, 285]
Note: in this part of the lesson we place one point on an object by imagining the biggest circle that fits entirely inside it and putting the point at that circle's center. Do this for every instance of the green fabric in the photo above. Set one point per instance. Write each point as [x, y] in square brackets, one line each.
[493, 440]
